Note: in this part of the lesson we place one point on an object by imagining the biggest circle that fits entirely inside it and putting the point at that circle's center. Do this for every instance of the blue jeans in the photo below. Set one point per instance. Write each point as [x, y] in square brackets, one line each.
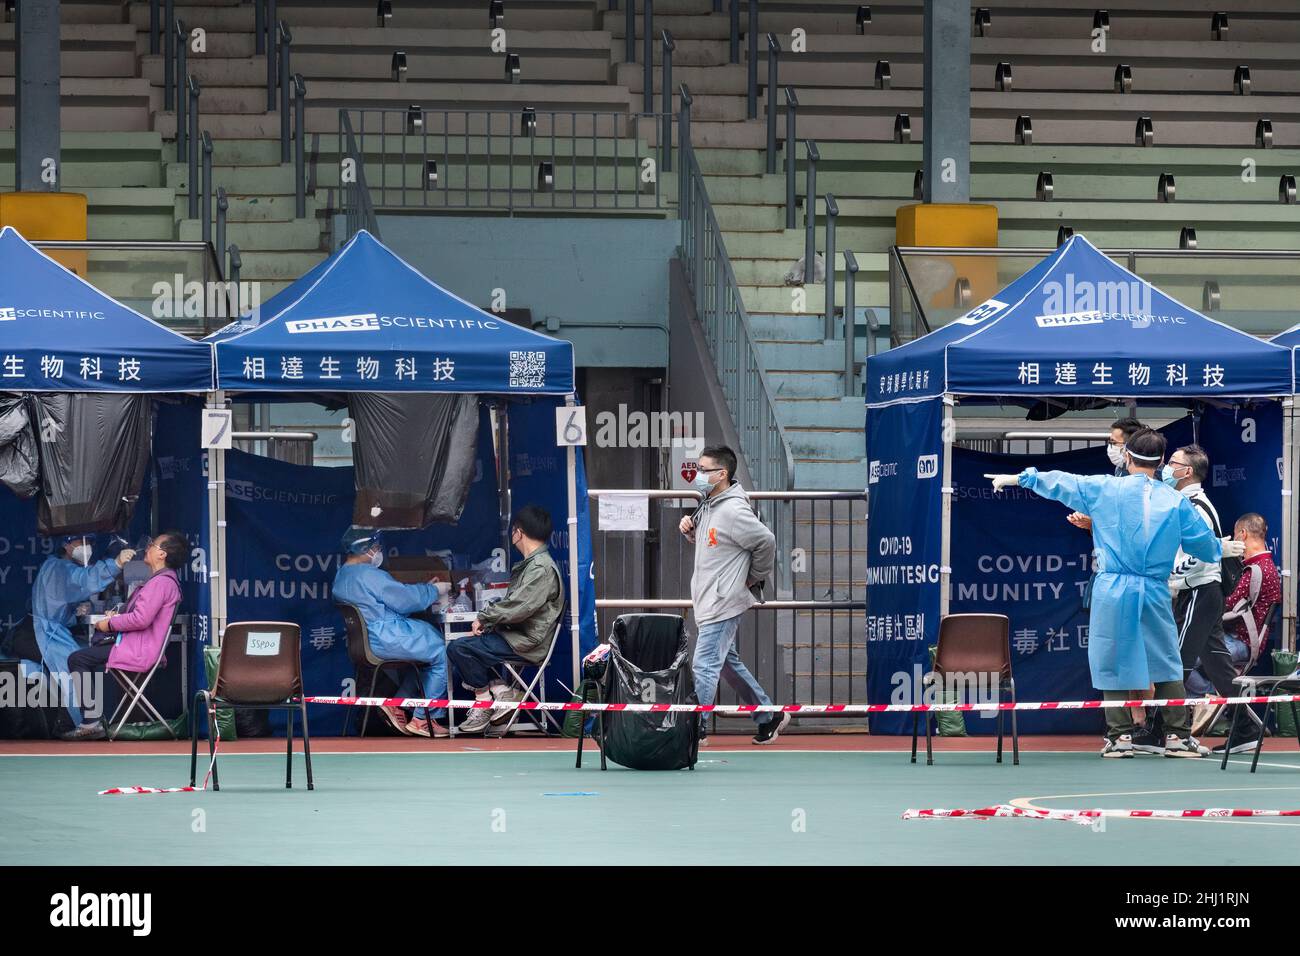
[475, 659]
[430, 681]
[715, 655]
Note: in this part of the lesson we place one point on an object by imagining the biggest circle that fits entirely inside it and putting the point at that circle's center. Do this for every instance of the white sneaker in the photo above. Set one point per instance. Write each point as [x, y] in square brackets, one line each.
[475, 722]
[1176, 746]
[86, 731]
[1122, 746]
[510, 695]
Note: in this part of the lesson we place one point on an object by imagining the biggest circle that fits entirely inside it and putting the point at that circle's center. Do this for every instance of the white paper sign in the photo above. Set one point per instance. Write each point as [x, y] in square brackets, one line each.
[263, 643]
[624, 513]
[571, 425]
[217, 428]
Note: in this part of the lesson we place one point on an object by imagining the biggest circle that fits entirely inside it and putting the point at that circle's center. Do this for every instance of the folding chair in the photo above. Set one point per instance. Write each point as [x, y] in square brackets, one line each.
[260, 669]
[974, 644]
[1256, 640]
[363, 656]
[516, 670]
[133, 688]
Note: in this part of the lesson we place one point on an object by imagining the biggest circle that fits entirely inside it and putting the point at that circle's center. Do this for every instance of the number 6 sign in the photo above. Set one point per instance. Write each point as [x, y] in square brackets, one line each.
[571, 425]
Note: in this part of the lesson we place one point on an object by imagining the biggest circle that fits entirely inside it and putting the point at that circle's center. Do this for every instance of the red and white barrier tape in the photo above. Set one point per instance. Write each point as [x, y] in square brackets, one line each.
[440, 703]
[1087, 817]
[131, 791]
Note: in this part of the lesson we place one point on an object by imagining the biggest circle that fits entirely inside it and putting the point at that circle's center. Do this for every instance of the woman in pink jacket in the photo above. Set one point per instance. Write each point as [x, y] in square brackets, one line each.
[143, 627]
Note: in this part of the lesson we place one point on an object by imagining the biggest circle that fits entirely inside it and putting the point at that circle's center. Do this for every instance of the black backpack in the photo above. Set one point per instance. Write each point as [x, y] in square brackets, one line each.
[1230, 569]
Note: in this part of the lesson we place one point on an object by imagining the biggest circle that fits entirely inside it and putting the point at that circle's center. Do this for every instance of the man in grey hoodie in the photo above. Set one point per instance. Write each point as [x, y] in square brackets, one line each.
[734, 552]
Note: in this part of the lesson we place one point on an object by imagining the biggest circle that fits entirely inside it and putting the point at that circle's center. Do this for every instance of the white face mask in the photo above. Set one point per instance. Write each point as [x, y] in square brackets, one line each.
[1116, 454]
[377, 558]
[81, 554]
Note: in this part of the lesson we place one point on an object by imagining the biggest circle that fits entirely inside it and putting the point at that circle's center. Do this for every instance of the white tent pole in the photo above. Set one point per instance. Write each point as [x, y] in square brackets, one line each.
[945, 537]
[1289, 517]
[217, 530]
[575, 607]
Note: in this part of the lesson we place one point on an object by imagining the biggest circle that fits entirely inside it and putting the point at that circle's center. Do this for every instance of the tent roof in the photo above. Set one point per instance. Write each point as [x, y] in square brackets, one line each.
[365, 320]
[1078, 324]
[58, 333]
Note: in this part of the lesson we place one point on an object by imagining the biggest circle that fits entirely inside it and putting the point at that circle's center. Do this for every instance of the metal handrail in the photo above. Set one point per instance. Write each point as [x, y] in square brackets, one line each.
[730, 336]
[421, 150]
[358, 210]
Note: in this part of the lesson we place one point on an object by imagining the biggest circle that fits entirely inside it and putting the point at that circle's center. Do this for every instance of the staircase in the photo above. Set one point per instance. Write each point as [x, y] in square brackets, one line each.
[276, 246]
[805, 369]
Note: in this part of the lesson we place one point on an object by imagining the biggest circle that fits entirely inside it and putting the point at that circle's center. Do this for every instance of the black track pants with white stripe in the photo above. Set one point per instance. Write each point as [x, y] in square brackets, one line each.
[1198, 615]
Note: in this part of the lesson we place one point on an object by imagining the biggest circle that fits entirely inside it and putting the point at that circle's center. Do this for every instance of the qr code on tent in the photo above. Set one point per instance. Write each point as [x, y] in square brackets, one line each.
[527, 369]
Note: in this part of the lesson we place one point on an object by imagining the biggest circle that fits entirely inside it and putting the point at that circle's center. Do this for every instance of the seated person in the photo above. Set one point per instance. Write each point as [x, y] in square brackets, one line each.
[519, 627]
[1253, 530]
[65, 580]
[384, 603]
[142, 628]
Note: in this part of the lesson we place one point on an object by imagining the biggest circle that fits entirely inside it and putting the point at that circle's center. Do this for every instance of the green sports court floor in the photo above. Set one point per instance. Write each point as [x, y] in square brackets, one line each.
[823, 800]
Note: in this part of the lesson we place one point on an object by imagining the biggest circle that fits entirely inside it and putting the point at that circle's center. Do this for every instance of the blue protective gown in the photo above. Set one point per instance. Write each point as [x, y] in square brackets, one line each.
[1138, 524]
[384, 603]
[61, 584]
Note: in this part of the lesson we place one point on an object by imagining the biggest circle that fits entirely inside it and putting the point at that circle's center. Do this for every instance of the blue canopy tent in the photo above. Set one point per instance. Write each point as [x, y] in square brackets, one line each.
[58, 333]
[366, 321]
[1075, 331]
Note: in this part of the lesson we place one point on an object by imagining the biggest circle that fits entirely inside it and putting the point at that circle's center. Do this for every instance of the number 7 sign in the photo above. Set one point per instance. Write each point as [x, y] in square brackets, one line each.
[216, 428]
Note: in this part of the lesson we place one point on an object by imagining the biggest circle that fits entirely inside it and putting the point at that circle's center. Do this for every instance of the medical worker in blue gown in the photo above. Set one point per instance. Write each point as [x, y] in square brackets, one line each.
[1138, 524]
[384, 603]
[65, 580]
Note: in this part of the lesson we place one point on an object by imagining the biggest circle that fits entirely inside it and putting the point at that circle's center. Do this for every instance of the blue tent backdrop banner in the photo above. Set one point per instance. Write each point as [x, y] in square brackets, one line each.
[285, 522]
[904, 484]
[365, 320]
[61, 334]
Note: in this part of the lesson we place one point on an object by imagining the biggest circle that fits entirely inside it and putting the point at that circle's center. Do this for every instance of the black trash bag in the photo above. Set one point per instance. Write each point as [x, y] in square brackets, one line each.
[414, 456]
[650, 662]
[94, 463]
[19, 463]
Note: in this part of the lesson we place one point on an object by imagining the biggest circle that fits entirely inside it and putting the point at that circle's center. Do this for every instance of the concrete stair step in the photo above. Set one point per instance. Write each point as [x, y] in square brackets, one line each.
[682, 27]
[729, 162]
[806, 384]
[277, 266]
[762, 190]
[729, 78]
[259, 209]
[221, 43]
[819, 356]
[296, 235]
[748, 134]
[781, 299]
[734, 218]
[214, 71]
[238, 180]
[575, 15]
[833, 475]
[826, 444]
[842, 412]
[811, 357]
[246, 152]
[786, 328]
[80, 176]
[230, 126]
[771, 272]
[687, 52]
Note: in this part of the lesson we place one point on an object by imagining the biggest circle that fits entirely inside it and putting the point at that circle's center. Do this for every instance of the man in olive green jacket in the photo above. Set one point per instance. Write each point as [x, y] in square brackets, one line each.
[519, 627]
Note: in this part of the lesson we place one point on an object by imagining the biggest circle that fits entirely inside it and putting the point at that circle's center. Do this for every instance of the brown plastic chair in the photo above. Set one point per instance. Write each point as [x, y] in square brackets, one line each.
[974, 644]
[256, 673]
[363, 656]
